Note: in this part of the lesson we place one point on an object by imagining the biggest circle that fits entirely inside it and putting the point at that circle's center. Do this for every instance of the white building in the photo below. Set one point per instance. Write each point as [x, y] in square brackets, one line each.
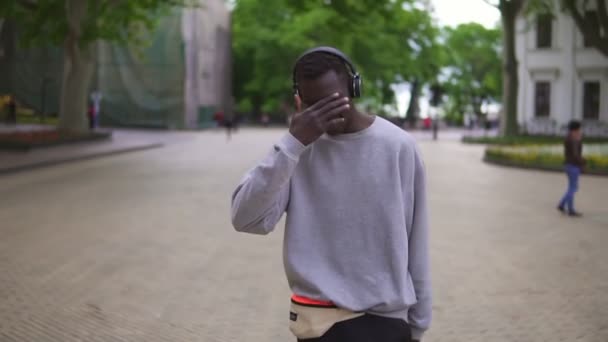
[561, 78]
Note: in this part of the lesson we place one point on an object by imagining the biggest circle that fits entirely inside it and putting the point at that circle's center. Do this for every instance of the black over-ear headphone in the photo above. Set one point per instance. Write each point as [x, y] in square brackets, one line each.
[356, 82]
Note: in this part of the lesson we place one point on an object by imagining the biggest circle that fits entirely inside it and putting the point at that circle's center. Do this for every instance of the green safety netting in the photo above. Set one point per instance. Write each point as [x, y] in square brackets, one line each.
[177, 80]
[144, 86]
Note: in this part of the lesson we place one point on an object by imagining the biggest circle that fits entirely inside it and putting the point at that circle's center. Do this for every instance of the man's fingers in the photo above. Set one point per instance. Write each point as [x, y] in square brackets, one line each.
[334, 113]
[328, 107]
[324, 101]
[334, 122]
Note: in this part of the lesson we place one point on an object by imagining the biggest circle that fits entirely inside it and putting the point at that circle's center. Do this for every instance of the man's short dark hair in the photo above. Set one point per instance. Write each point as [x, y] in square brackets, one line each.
[316, 64]
[574, 125]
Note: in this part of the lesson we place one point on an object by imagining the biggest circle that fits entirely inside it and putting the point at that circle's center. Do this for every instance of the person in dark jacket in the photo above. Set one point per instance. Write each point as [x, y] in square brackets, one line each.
[573, 148]
[12, 111]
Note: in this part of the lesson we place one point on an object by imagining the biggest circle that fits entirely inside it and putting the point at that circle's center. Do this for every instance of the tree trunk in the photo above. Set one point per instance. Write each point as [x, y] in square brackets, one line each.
[8, 45]
[413, 110]
[509, 11]
[78, 65]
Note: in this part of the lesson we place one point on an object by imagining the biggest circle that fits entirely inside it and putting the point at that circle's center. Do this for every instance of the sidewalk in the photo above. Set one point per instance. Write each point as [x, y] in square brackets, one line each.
[122, 141]
[141, 249]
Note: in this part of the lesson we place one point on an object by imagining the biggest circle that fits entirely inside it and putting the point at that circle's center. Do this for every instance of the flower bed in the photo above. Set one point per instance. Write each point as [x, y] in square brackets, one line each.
[526, 140]
[27, 139]
[547, 157]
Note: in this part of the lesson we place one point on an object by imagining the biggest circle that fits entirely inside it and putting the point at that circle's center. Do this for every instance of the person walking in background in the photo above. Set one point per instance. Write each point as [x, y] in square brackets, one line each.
[218, 117]
[356, 235]
[96, 98]
[228, 124]
[573, 149]
[265, 120]
[11, 117]
[91, 116]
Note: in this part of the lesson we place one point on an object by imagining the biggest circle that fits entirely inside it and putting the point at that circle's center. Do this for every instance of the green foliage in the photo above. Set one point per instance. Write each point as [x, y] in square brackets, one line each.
[473, 64]
[536, 7]
[388, 40]
[45, 21]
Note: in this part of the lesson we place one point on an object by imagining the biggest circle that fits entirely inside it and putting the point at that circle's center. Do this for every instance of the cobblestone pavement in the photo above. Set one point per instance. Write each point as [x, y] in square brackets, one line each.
[138, 247]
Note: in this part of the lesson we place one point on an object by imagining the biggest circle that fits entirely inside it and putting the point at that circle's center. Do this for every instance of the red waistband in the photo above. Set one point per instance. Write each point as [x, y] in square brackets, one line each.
[308, 301]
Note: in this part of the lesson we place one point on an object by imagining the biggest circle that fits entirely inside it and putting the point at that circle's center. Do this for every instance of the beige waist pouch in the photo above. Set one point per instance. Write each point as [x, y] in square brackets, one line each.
[307, 321]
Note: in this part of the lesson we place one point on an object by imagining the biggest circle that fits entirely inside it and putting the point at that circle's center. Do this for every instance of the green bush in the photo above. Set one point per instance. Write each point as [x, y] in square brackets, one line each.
[547, 157]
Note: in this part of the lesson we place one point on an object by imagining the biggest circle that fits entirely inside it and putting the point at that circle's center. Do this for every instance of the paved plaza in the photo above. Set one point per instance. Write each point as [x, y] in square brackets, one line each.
[139, 247]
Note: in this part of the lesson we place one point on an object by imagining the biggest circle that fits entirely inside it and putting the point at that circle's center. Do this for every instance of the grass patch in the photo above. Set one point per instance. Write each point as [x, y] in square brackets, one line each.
[547, 157]
[24, 119]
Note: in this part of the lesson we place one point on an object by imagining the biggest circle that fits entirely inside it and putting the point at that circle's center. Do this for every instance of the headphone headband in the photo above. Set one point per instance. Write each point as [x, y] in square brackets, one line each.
[356, 78]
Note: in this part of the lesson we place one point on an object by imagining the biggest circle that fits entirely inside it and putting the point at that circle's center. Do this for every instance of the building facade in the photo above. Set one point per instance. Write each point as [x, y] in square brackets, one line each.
[560, 77]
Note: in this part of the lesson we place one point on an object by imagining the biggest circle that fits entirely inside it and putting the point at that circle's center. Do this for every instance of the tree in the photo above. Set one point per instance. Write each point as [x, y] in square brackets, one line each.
[76, 25]
[473, 67]
[389, 40]
[509, 10]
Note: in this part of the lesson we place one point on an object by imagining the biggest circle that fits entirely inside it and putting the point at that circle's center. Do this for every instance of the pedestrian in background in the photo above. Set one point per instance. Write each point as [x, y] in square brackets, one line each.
[573, 153]
[96, 98]
[11, 117]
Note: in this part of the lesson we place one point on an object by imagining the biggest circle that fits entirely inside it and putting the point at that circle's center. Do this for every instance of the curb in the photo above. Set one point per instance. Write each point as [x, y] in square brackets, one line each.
[47, 163]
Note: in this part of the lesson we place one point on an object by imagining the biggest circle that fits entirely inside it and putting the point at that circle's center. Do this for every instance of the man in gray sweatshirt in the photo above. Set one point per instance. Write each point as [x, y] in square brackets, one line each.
[353, 187]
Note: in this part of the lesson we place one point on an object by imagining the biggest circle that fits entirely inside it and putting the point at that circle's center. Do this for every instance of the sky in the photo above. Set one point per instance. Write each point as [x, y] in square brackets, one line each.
[451, 13]
[454, 12]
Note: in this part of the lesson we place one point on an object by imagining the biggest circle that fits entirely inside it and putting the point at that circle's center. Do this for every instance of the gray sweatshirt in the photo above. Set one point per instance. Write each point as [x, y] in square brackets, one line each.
[356, 231]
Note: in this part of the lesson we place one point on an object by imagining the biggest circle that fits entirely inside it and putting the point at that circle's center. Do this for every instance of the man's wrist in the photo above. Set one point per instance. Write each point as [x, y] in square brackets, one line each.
[291, 146]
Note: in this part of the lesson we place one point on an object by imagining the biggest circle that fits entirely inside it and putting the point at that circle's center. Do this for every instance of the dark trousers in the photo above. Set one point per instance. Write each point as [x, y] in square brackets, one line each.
[367, 328]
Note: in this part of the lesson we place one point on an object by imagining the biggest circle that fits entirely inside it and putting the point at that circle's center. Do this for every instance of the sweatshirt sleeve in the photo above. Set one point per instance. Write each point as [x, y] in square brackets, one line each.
[419, 314]
[261, 198]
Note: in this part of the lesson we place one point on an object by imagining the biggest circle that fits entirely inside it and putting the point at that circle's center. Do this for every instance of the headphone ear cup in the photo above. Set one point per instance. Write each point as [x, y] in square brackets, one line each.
[295, 89]
[356, 86]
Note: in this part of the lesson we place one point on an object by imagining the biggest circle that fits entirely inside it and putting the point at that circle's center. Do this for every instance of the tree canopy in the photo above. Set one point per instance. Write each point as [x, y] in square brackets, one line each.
[473, 67]
[48, 21]
[389, 41]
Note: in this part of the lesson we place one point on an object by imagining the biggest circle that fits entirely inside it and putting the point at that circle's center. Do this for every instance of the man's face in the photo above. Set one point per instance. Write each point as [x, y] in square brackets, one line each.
[325, 85]
[577, 134]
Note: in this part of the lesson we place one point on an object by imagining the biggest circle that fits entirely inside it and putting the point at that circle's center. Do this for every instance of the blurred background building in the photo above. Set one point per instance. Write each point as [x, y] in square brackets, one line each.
[561, 76]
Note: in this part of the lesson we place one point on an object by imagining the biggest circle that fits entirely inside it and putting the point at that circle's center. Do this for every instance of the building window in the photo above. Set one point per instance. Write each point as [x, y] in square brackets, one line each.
[591, 100]
[593, 20]
[544, 30]
[542, 99]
